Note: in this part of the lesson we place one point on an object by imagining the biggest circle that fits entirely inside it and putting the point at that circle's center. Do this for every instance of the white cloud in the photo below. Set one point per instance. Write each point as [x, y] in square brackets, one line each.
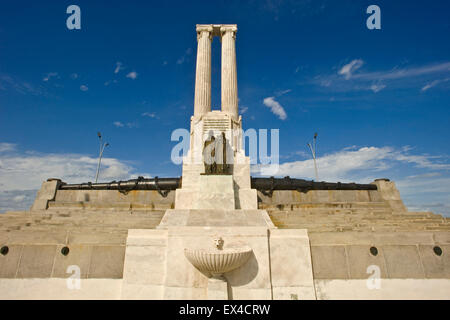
[282, 92]
[275, 107]
[5, 147]
[74, 76]
[184, 57]
[118, 67]
[351, 67]
[84, 88]
[22, 174]
[8, 82]
[19, 198]
[119, 124]
[427, 187]
[243, 109]
[377, 87]
[406, 77]
[16, 200]
[337, 166]
[132, 75]
[433, 84]
[405, 72]
[341, 164]
[49, 76]
[149, 114]
[27, 171]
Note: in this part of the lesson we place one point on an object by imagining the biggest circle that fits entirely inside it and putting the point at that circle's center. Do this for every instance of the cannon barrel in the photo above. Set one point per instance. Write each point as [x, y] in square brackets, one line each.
[133, 184]
[271, 184]
[288, 183]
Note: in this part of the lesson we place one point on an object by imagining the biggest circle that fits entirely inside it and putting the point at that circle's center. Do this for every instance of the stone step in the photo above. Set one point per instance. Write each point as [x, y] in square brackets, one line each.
[310, 205]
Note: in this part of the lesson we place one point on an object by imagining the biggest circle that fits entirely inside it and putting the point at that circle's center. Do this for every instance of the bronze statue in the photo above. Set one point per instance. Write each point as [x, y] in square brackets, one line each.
[215, 155]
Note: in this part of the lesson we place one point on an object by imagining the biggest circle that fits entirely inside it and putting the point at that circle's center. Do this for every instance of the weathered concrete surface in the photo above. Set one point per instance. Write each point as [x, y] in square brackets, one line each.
[290, 265]
[57, 289]
[279, 268]
[96, 240]
[403, 255]
[30, 261]
[104, 199]
[390, 289]
[45, 194]
[218, 218]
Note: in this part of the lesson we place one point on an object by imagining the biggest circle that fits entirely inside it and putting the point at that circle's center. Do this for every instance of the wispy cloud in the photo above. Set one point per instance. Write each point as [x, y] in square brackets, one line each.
[275, 107]
[6, 147]
[107, 83]
[149, 114]
[348, 69]
[282, 92]
[184, 57]
[132, 75]
[351, 78]
[84, 88]
[120, 124]
[118, 67]
[49, 76]
[404, 72]
[377, 87]
[433, 84]
[8, 82]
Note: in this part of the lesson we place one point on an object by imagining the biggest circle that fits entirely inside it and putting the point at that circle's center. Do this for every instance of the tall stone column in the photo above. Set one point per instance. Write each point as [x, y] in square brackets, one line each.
[202, 102]
[229, 74]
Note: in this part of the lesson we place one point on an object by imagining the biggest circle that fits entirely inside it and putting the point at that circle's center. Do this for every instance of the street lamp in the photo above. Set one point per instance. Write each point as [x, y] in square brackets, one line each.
[102, 148]
[313, 151]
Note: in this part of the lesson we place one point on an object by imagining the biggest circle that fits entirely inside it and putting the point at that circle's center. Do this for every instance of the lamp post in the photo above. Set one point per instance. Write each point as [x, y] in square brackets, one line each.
[102, 148]
[312, 147]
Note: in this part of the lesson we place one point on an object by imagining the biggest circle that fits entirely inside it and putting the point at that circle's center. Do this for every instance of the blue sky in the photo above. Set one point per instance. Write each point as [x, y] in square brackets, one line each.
[378, 98]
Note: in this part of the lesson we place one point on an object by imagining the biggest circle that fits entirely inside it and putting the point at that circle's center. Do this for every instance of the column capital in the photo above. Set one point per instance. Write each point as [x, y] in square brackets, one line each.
[228, 28]
[204, 28]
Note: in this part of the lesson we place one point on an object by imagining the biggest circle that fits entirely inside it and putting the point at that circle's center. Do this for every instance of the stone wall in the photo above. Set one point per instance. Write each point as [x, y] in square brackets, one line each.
[399, 255]
[132, 200]
[45, 260]
[151, 199]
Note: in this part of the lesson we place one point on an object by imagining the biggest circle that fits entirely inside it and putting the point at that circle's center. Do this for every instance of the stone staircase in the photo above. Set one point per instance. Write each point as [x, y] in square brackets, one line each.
[316, 217]
[356, 216]
[103, 224]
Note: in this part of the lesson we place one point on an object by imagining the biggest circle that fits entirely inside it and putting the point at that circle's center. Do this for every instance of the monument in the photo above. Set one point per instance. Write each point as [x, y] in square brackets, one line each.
[217, 243]
[217, 232]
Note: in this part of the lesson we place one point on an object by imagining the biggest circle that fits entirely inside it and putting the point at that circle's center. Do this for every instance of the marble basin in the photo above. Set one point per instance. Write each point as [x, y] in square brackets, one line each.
[218, 262]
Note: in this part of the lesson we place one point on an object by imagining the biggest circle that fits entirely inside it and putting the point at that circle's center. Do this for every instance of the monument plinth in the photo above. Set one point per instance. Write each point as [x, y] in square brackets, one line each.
[216, 201]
